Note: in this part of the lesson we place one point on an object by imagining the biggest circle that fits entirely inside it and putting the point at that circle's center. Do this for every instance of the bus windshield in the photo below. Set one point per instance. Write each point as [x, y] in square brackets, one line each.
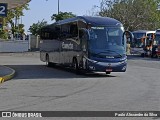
[137, 42]
[139, 35]
[141, 39]
[157, 39]
[108, 39]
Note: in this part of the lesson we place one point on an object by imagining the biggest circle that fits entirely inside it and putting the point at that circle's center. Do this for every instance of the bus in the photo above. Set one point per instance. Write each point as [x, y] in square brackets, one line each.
[91, 44]
[142, 39]
[156, 44]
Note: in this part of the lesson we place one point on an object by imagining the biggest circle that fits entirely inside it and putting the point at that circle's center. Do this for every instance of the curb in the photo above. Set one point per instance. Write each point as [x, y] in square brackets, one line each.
[7, 77]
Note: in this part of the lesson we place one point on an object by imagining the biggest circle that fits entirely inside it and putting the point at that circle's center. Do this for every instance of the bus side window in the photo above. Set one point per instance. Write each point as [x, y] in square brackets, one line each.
[54, 35]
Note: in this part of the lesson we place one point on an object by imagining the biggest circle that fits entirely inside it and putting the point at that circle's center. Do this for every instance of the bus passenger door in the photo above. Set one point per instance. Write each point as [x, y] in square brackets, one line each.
[84, 41]
[84, 47]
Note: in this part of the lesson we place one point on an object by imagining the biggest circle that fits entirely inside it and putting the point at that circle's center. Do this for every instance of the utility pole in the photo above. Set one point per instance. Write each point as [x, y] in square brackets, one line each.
[58, 6]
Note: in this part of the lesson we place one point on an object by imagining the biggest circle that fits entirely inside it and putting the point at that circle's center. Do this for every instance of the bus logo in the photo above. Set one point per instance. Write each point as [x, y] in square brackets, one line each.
[67, 46]
[109, 57]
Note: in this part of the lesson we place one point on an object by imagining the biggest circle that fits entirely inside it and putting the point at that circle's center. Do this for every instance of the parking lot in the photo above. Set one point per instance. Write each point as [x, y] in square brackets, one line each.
[37, 87]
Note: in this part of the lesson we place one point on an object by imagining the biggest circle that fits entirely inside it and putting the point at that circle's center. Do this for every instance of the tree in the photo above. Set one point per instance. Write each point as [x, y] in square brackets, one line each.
[35, 27]
[14, 14]
[62, 16]
[134, 14]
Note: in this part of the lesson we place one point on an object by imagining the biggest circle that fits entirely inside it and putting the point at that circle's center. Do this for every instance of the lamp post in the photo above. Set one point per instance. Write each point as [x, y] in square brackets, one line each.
[58, 6]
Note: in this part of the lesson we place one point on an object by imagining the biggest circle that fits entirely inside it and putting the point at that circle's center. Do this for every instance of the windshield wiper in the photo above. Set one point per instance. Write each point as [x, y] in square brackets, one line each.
[109, 51]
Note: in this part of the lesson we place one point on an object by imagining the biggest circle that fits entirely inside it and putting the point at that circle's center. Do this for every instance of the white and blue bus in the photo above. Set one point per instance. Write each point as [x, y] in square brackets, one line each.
[96, 44]
[141, 40]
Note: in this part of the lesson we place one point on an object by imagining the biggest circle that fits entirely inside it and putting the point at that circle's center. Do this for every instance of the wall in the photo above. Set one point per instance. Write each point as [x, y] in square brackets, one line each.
[14, 46]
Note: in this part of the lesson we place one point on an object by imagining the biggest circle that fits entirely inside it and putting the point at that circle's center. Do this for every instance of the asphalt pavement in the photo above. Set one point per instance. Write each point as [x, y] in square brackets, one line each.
[37, 87]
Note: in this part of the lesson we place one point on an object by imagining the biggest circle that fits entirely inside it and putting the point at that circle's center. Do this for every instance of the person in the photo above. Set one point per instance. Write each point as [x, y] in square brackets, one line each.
[128, 48]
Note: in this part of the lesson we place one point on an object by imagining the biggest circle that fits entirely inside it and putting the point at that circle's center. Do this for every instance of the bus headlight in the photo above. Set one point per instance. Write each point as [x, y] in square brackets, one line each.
[124, 68]
[125, 61]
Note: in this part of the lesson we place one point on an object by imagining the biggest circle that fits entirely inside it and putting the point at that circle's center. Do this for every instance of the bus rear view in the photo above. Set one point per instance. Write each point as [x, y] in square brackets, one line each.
[93, 44]
[156, 46]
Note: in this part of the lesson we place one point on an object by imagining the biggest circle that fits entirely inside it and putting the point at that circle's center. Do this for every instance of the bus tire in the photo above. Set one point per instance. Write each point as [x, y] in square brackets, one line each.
[47, 61]
[75, 65]
[142, 54]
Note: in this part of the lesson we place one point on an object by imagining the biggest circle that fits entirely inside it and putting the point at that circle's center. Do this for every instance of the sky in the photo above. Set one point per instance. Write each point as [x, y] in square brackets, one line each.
[44, 9]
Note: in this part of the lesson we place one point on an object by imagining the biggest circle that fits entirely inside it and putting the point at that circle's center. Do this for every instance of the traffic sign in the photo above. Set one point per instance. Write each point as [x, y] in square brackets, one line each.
[3, 9]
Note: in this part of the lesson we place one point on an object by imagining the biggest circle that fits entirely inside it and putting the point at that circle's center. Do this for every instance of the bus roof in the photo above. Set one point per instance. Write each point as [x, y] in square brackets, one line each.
[95, 21]
[158, 31]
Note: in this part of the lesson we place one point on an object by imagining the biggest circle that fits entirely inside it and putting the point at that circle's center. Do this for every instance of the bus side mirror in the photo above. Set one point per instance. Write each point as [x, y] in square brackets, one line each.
[129, 36]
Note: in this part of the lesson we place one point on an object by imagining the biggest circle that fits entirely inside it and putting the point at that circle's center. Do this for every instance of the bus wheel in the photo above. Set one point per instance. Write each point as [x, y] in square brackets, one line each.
[75, 65]
[143, 55]
[47, 61]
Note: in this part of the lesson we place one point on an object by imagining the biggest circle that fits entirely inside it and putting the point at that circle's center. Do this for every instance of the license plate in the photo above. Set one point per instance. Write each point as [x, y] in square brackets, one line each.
[108, 70]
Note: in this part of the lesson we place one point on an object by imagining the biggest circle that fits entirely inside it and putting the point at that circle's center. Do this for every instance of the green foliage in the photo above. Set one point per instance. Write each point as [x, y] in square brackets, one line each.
[35, 27]
[134, 14]
[3, 34]
[62, 16]
[18, 29]
[13, 16]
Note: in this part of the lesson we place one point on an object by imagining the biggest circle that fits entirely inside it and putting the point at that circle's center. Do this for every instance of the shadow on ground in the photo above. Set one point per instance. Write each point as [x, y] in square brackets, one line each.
[42, 72]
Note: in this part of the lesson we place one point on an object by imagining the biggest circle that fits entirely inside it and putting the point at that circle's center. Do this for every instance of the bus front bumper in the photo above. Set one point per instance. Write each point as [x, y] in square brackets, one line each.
[107, 67]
